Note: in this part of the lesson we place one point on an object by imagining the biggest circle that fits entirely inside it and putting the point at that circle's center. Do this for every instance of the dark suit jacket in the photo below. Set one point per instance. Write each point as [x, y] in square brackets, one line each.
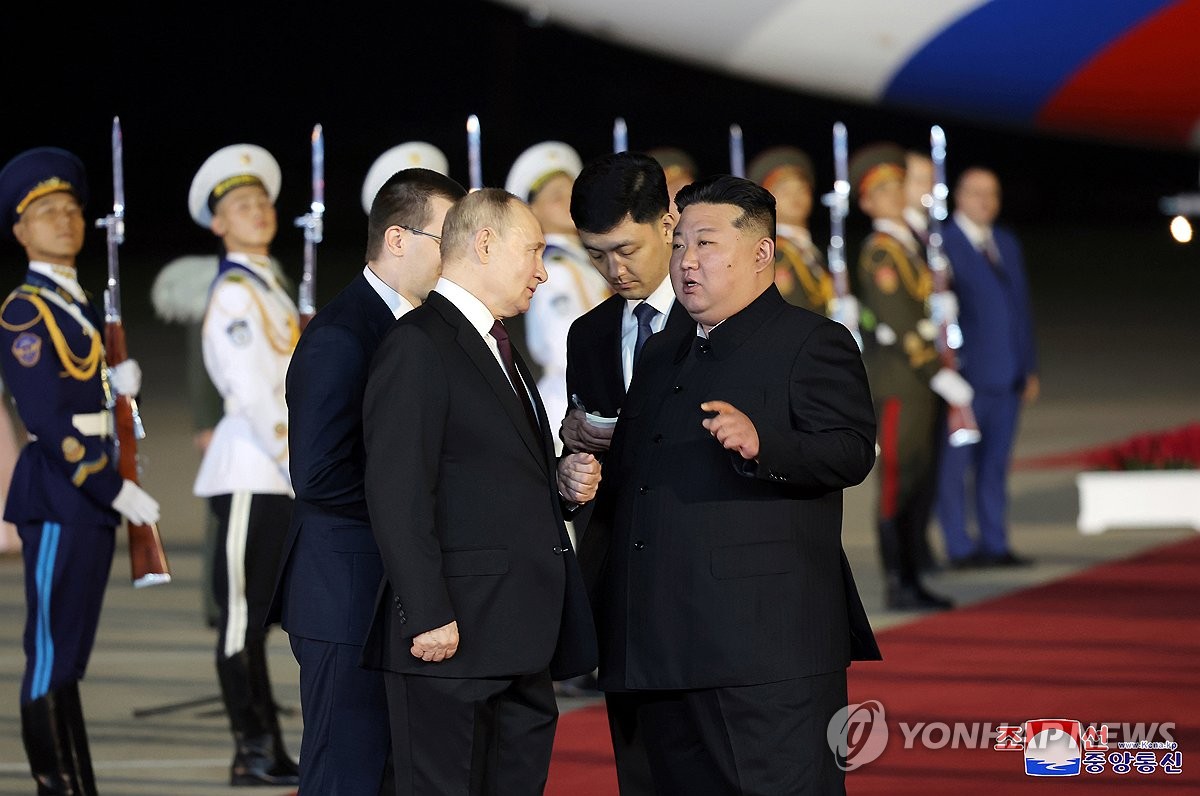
[993, 311]
[330, 568]
[709, 571]
[594, 354]
[466, 511]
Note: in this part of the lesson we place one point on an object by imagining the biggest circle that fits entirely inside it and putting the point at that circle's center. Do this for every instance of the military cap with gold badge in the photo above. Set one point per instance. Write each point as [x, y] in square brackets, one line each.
[676, 163]
[231, 167]
[773, 163]
[36, 173]
[409, 155]
[535, 166]
[874, 164]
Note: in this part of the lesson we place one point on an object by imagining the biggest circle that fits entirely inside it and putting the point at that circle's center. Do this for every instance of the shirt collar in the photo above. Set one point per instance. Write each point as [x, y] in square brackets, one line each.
[475, 311]
[977, 234]
[258, 265]
[728, 335]
[395, 302]
[662, 298]
[916, 219]
[798, 234]
[62, 275]
[897, 230]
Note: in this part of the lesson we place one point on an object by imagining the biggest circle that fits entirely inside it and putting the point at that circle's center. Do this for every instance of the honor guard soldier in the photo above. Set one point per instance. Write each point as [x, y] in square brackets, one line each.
[678, 167]
[250, 328]
[800, 270]
[67, 497]
[904, 369]
[409, 155]
[543, 176]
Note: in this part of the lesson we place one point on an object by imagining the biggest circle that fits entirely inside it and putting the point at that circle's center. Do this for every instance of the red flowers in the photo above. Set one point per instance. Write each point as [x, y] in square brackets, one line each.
[1173, 449]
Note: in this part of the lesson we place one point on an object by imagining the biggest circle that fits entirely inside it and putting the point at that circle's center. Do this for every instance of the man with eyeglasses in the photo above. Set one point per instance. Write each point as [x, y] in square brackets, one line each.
[331, 569]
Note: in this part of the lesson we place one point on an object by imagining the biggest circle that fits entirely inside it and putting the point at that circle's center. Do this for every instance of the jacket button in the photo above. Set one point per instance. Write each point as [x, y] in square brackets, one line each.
[677, 389]
[643, 489]
[403, 619]
[397, 602]
[558, 551]
[639, 545]
[657, 438]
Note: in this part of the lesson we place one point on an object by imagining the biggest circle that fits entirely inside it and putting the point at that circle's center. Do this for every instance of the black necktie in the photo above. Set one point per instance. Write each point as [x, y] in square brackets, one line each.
[506, 356]
[644, 314]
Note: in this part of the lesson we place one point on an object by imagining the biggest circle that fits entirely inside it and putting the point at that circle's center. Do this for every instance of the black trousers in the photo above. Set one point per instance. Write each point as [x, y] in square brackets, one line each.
[250, 537]
[489, 737]
[757, 740]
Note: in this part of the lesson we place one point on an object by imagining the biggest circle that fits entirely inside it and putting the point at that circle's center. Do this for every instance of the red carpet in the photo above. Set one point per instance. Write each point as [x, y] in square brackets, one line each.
[1116, 644]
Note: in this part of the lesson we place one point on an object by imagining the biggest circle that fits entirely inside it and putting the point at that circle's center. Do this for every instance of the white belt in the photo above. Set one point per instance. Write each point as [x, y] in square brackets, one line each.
[94, 424]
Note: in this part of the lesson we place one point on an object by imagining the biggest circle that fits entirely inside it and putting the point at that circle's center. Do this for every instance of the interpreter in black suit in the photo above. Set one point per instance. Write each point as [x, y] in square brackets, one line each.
[465, 499]
[331, 569]
[620, 207]
[725, 606]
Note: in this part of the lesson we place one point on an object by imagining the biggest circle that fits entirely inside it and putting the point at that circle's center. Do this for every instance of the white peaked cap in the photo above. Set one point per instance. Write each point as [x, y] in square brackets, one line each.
[409, 155]
[539, 161]
[226, 164]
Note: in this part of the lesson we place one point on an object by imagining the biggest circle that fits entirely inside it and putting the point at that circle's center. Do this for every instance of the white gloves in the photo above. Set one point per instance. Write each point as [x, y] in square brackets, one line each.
[845, 311]
[943, 307]
[952, 387]
[135, 504]
[126, 378]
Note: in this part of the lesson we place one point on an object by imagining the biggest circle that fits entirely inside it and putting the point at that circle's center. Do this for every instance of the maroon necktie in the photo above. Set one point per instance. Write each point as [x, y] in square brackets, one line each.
[506, 356]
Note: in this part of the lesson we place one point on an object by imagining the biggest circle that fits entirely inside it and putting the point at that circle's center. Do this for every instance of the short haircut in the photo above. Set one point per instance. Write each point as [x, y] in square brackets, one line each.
[487, 207]
[404, 200]
[756, 203]
[617, 185]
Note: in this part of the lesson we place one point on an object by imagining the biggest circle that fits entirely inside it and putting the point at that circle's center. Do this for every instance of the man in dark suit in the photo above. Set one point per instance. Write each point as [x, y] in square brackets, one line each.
[465, 501]
[620, 207]
[724, 602]
[331, 570]
[998, 359]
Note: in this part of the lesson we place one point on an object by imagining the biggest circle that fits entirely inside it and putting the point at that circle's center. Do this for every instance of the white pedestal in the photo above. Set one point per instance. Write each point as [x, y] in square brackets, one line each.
[1138, 499]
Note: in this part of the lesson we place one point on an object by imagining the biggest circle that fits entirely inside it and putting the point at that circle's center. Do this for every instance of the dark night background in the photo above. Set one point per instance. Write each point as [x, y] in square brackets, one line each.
[189, 79]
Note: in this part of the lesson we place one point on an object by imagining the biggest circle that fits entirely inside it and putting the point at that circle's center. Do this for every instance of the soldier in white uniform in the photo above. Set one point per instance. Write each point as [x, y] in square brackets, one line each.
[543, 176]
[409, 155]
[250, 329]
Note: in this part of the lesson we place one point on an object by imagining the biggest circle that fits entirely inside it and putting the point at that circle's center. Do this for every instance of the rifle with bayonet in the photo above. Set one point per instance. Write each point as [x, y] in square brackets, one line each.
[960, 420]
[147, 558]
[620, 136]
[845, 307]
[474, 164]
[313, 224]
[737, 152]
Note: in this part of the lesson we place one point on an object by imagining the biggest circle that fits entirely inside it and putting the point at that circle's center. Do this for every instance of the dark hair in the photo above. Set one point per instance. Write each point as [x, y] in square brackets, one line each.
[756, 203]
[617, 185]
[404, 200]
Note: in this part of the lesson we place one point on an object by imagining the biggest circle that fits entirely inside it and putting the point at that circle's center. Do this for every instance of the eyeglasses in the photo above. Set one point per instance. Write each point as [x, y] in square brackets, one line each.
[416, 231]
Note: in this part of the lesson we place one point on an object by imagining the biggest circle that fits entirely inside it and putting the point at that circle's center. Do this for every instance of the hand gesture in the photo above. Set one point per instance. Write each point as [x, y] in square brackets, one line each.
[578, 477]
[732, 428]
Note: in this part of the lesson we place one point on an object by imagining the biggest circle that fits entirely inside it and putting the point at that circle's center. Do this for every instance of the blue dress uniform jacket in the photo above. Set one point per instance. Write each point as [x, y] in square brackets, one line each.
[54, 367]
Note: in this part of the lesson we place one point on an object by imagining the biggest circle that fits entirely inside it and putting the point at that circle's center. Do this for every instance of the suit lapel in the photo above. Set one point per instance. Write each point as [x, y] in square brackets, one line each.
[472, 344]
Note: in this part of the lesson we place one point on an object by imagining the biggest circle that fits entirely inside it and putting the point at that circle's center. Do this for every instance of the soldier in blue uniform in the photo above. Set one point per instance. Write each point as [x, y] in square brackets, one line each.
[66, 497]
